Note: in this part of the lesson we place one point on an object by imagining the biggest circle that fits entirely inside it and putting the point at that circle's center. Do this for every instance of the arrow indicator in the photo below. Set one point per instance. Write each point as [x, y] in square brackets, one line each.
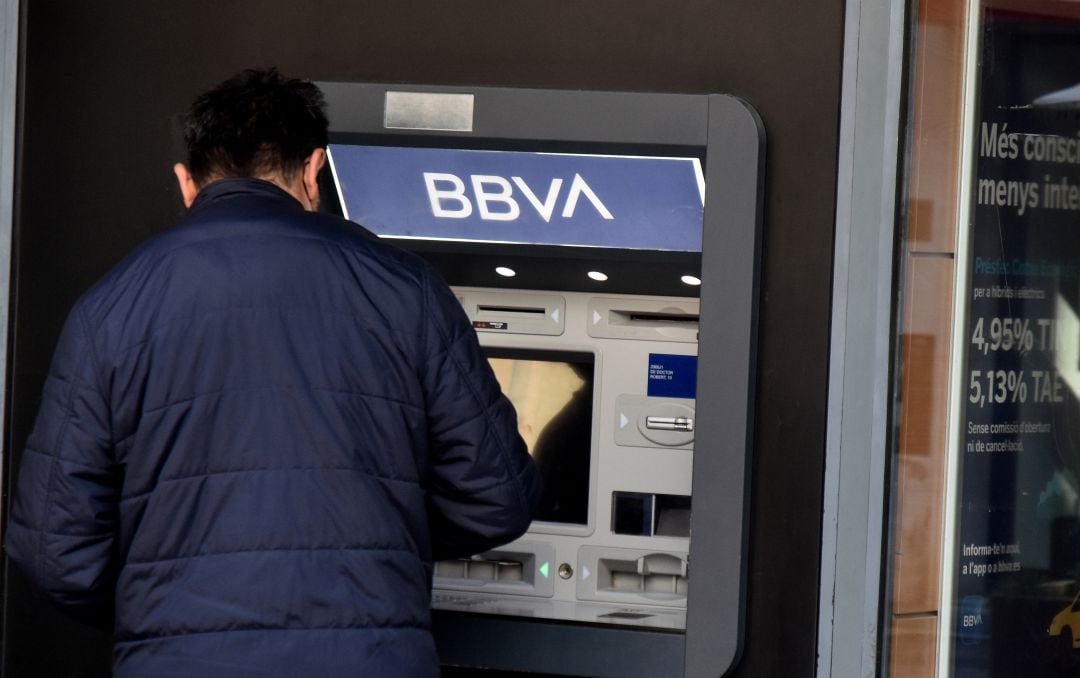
[623, 421]
[555, 315]
[585, 573]
[544, 570]
[595, 317]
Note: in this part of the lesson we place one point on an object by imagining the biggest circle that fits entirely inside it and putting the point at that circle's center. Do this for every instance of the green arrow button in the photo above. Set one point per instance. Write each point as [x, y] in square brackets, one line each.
[544, 570]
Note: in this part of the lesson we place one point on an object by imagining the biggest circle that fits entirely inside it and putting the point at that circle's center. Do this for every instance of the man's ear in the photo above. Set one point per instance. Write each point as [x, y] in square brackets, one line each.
[312, 166]
[188, 189]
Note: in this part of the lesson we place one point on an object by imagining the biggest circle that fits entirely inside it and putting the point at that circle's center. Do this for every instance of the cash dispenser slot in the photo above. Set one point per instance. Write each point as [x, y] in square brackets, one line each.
[481, 569]
[528, 310]
[635, 576]
[646, 515]
[513, 312]
[525, 570]
[661, 574]
[654, 319]
[649, 319]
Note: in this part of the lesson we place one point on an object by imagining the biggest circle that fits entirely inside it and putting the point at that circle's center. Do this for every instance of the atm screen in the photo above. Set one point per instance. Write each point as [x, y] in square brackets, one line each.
[552, 392]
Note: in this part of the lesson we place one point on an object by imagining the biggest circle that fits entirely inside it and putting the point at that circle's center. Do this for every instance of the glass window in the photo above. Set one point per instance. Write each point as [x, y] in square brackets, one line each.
[985, 548]
[927, 264]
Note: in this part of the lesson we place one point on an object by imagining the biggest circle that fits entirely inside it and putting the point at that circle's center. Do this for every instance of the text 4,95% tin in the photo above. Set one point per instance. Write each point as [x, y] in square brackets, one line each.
[1013, 334]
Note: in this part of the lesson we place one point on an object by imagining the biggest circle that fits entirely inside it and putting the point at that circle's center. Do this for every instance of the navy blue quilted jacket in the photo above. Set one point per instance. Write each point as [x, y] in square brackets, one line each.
[257, 433]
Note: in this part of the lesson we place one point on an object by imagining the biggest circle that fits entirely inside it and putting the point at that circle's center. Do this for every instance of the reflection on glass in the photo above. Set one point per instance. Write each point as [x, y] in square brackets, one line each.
[1017, 550]
[1004, 577]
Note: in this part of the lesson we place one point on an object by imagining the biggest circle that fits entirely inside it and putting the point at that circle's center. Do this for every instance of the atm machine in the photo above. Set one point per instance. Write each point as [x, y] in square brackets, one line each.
[606, 248]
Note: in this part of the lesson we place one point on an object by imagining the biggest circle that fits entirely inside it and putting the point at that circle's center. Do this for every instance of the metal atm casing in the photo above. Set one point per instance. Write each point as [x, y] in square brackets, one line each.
[623, 557]
[733, 141]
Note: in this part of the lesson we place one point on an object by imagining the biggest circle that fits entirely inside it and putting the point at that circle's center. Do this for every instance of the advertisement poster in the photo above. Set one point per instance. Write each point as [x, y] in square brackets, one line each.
[1017, 604]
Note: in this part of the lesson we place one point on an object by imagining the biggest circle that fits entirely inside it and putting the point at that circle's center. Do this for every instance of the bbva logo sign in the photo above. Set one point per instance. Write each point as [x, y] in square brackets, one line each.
[495, 199]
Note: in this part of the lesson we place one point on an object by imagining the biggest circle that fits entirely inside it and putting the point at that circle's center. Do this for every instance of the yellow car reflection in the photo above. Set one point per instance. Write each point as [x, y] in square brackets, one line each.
[1068, 618]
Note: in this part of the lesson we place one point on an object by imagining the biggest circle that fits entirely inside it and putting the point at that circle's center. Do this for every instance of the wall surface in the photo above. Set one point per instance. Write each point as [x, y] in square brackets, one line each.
[104, 82]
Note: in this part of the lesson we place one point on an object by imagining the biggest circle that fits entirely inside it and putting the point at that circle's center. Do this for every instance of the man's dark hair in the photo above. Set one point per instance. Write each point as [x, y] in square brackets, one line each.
[257, 123]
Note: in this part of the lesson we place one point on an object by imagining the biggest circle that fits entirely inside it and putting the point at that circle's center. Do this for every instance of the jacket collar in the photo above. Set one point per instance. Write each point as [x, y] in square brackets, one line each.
[241, 186]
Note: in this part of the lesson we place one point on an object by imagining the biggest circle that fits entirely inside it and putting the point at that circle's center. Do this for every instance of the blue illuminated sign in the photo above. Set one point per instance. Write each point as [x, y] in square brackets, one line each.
[627, 202]
[672, 376]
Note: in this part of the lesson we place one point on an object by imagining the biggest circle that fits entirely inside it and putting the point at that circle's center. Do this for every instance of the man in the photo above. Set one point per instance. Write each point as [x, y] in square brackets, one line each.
[262, 426]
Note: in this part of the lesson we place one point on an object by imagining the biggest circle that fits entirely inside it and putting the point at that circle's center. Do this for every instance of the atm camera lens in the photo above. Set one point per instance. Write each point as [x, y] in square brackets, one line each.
[566, 571]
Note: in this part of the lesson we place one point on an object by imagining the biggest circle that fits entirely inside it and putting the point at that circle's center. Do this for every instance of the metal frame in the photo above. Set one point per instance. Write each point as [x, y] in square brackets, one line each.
[857, 438]
[10, 31]
[10, 24]
[733, 137]
[958, 350]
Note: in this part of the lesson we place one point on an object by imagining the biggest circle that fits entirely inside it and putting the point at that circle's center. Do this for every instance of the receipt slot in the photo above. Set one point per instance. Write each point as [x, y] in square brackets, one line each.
[605, 247]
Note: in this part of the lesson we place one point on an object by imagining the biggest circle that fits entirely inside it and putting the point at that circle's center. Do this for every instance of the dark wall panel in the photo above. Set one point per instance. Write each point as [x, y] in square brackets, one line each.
[104, 82]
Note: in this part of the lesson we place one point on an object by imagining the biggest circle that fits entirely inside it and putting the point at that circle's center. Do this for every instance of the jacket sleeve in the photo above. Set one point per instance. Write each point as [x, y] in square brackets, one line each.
[61, 531]
[484, 486]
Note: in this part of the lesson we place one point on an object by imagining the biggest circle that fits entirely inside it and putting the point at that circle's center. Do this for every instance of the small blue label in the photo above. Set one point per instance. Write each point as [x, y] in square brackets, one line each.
[974, 620]
[672, 376]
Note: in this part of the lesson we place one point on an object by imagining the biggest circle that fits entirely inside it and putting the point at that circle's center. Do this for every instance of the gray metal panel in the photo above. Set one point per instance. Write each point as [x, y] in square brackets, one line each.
[725, 397]
[858, 414]
[734, 139]
[550, 115]
[557, 649]
[9, 72]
